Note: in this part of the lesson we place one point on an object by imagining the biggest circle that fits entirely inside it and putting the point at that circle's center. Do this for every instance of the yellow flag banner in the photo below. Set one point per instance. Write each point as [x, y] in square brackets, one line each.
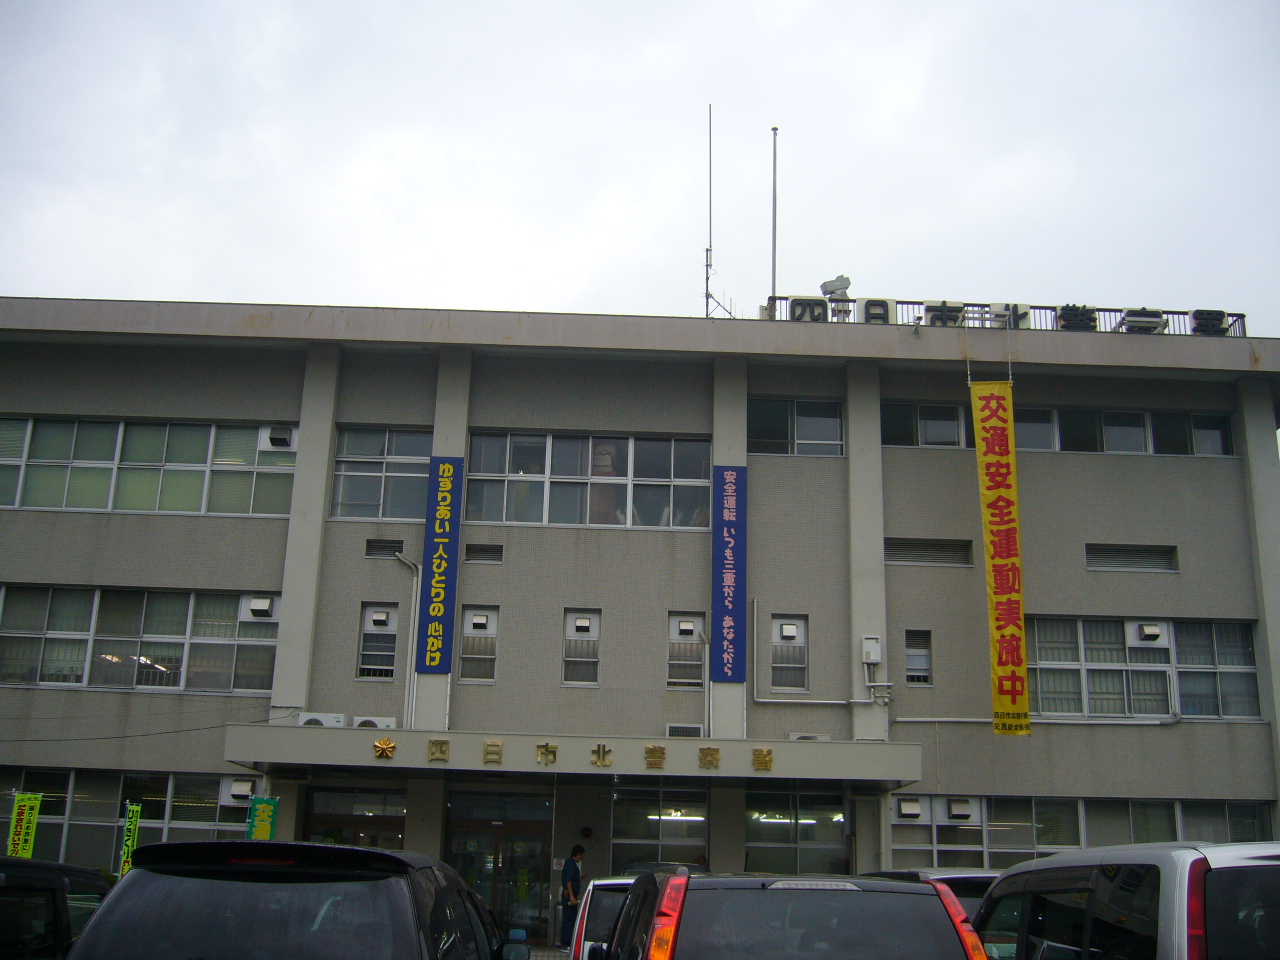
[132, 815]
[1002, 545]
[22, 825]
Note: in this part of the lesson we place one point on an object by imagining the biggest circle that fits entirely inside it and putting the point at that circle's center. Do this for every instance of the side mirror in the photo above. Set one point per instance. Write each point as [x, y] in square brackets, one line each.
[516, 935]
[515, 951]
[598, 951]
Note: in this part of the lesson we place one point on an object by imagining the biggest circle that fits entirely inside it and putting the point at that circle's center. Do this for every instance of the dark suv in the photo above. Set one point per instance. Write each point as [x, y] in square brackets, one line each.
[743, 917]
[261, 899]
[44, 906]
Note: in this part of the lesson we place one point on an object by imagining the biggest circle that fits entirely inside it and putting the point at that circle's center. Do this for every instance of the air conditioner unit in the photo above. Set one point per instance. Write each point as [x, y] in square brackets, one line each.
[960, 808]
[1015, 315]
[909, 808]
[872, 310]
[808, 309]
[374, 723]
[237, 791]
[278, 438]
[684, 730]
[814, 737]
[1147, 634]
[1209, 323]
[322, 719]
[261, 607]
[1143, 320]
[943, 313]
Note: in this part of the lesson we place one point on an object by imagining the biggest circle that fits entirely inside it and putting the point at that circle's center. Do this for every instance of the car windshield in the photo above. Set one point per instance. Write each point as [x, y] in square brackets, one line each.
[159, 916]
[795, 924]
[602, 911]
[1242, 913]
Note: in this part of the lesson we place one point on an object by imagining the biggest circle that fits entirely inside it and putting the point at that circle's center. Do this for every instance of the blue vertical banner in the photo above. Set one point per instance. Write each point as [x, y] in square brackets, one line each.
[440, 566]
[729, 575]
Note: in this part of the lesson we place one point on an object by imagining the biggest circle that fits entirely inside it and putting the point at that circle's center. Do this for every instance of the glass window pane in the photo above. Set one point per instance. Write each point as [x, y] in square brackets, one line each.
[255, 666]
[1106, 692]
[114, 663]
[635, 817]
[166, 614]
[1103, 641]
[488, 454]
[188, 443]
[53, 785]
[1059, 691]
[1249, 822]
[159, 664]
[897, 425]
[818, 421]
[215, 615]
[1124, 432]
[195, 799]
[9, 473]
[692, 460]
[358, 496]
[409, 443]
[1234, 644]
[528, 454]
[1211, 436]
[229, 491]
[569, 456]
[44, 486]
[691, 506]
[1056, 641]
[581, 671]
[1033, 429]
[257, 630]
[609, 456]
[1205, 821]
[768, 425]
[63, 661]
[771, 860]
[650, 504]
[182, 490]
[273, 493]
[1150, 692]
[821, 820]
[939, 426]
[97, 795]
[609, 503]
[484, 498]
[1079, 430]
[653, 459]
[120, 613]
[1153, 821]
[406, 498]
[96, 441]
[1171, 433]
[1010, 823]
[960, 858]
[13, 437]
[361, 443]
[568, 503]
[1106, 822]
[89, 487]
[19, 659]
[1057, 823]
[143, 443]
[1198, 693]
[52, 439]
[137, 489]
[70, 611]
[277, 458]
[24, 609]
[209, 666]
[92, 845]
[770, 818]
[1239, 694]
[236, 445]
[150, 790]
[683, 820]
[819, 449]
[1194, 643]
[524, 501]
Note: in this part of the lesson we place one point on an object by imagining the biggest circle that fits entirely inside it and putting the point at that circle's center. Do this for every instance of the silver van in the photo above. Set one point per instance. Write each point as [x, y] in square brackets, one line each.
[1146, 901]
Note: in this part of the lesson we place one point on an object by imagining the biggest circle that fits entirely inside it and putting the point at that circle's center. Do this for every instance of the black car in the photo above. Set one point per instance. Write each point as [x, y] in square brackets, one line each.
[744, 917]
[233, 899]
[44, 906]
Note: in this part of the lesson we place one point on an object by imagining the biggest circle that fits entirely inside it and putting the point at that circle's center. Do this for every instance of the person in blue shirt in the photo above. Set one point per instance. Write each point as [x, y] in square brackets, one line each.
[571, 892]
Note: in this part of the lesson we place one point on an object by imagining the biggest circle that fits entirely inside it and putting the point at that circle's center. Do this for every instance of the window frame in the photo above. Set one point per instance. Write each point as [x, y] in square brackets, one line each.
[592, 633]
[793, 441]
[777, 621]
[386, 461]
[674, 640]
[493, 631]
[924, 641]
[373, 671]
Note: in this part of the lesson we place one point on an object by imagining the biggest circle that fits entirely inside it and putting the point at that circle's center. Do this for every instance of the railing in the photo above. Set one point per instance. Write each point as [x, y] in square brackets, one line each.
[997, 316]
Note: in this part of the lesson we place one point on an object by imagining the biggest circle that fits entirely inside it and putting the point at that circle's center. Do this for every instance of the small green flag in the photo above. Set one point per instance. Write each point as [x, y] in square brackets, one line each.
[133, 813]
[262, 818]
[22, 825]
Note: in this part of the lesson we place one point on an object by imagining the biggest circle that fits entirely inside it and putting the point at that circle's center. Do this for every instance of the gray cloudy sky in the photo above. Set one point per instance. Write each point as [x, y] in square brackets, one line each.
[552, 156]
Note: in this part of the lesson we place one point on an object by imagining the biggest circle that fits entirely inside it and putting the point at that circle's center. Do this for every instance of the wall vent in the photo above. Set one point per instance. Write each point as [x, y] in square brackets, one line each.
[483, 553]
[383, 548]
[1119, 556]
[955, 553]
[684, 729]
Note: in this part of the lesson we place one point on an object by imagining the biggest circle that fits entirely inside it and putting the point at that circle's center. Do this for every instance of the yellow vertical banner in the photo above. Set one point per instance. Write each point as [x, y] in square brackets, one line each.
[133, 813]
[22, 825]
[1002, 547]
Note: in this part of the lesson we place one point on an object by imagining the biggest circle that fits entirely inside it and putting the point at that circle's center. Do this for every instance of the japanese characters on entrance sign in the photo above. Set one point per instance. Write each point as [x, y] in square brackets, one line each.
[22, 825]
[440, 566]
[729, 575]
[1002, 545]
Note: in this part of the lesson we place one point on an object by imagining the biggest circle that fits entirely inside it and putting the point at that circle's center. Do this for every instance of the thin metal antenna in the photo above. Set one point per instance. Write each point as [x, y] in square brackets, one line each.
[773, 278]
[707, 292]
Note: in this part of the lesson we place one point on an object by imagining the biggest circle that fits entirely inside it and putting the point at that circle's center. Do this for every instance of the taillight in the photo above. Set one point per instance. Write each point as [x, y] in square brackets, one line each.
[581, 925]
[1197, 945]
[666, 922]
[960, 919]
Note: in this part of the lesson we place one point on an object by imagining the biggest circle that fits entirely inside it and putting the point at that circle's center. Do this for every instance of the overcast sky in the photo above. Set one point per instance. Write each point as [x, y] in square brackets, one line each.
[553, 156]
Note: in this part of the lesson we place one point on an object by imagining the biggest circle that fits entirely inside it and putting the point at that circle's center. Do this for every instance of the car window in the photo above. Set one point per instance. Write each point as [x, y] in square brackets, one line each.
[1242, 913]
[1001, 925]
[1125, 917]
[81, 907]
[470, 944]
[602, 911]
[28, 923]
[632, 927]
[443, 930]
[475, 913]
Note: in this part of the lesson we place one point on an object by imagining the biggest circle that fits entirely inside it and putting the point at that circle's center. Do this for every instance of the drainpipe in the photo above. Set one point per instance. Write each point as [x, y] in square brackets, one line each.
[411, 681]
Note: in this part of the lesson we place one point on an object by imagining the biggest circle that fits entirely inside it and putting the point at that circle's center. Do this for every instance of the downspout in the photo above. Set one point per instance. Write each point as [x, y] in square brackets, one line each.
[411, 682]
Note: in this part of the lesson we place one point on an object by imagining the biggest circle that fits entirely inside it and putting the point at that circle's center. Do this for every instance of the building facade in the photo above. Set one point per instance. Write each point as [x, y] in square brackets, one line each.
[217, 578]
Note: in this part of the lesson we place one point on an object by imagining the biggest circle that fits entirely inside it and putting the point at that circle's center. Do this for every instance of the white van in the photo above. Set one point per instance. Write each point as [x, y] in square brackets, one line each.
[1146, 901]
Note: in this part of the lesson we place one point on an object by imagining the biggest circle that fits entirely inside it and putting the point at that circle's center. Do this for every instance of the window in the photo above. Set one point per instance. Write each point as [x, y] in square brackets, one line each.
[792, 833]
[919, 656]
[146, 467]
[582, 646]
[658, 482]
[479, 656]
[925, 425]
[658, 825]
[378, 625]
[790, 653]
[800, 427]
[142, 639]
[1217, 672]
[685, 638]
[1033, 429]
[381, 474]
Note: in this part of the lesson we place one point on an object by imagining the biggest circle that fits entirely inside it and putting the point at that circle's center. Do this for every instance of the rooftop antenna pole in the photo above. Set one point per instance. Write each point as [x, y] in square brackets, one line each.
[773, 282]
[707, 292]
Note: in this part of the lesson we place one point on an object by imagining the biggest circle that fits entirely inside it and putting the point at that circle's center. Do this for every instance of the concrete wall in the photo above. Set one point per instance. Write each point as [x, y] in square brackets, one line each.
[396, 388]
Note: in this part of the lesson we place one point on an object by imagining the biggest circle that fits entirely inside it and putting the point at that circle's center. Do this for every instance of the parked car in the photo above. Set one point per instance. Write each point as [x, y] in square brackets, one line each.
[760, 917]
[601, 902]
[45, 906]
[1148, 901]
[301, 901]
[969, 886]
[661, 866]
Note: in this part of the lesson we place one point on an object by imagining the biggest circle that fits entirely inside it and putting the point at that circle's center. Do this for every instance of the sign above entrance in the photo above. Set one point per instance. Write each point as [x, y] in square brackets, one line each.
[729, 575]
[440, 567]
